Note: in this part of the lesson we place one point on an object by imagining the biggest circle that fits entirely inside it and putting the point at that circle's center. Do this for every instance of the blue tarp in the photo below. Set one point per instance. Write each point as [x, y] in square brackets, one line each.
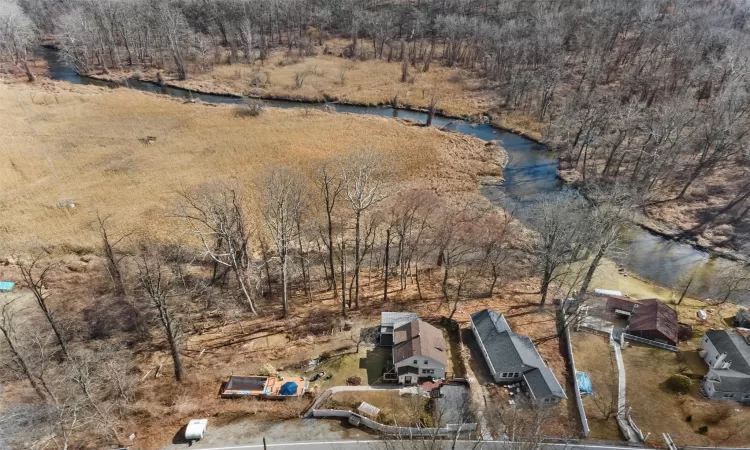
[584, 383]
[288, 388]
[6, 286]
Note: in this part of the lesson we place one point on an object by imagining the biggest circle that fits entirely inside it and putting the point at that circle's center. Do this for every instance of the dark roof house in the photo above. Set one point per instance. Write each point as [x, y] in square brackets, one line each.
[655, 320]
[418, 338]
[390, 321]
[513, 357]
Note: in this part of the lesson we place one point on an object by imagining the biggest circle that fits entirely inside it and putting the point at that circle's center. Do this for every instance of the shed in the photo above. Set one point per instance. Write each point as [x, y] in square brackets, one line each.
[655, 320]
[367, 409]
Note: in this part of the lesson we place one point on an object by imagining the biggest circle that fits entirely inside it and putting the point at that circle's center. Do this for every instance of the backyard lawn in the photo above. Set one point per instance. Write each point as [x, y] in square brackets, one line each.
[408, 410]
[595, 356]
[368, 365]
[657, 410]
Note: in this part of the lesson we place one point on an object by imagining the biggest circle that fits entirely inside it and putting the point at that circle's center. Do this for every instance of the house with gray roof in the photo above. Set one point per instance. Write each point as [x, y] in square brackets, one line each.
[513, 358]
[728, 357]
[389, 321]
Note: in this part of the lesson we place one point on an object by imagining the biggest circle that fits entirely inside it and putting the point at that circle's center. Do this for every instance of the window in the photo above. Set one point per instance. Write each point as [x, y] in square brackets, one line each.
[426, 362]
[515, 375]
[505, 375]
[415, 362]
[728, 395]
[746, 397]
[428, 371]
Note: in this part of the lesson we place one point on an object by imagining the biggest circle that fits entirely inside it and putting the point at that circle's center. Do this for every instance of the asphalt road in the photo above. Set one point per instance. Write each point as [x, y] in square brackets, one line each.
[409, 445]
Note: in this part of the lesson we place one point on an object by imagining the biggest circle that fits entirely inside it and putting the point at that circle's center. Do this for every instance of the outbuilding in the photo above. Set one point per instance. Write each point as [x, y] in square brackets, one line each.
[655, 320]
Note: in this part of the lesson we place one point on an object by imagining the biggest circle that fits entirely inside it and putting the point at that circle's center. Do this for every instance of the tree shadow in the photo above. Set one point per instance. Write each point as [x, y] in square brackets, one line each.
[376, 362]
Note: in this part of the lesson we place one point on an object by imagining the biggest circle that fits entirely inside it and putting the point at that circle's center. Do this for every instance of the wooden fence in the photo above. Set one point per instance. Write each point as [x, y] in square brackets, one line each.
[410, 432]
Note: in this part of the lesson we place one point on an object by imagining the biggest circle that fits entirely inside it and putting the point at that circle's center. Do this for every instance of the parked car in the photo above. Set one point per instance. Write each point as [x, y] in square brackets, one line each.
[195, 430]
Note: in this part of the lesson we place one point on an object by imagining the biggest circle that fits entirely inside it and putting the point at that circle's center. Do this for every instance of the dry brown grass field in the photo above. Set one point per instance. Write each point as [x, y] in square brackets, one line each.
[64, 143]
[658, 410]
[331, 77]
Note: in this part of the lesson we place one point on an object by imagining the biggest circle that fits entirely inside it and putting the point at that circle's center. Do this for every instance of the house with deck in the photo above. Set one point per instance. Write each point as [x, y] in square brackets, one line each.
[727, 354]
[513, 358]
[419, 351]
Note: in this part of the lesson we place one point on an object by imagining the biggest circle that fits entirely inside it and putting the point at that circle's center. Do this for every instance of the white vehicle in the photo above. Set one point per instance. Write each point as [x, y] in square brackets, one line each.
[195, 430]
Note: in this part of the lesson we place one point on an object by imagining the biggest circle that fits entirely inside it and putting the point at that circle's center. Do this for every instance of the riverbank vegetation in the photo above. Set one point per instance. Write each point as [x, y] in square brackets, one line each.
[648, 94]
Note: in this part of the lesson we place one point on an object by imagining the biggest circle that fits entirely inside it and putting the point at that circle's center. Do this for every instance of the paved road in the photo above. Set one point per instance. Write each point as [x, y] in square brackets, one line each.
[409, 445]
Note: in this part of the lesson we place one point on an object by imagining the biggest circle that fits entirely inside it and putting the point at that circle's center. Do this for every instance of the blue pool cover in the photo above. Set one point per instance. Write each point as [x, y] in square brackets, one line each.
[288, 388]
[6, 286]
[584, 383]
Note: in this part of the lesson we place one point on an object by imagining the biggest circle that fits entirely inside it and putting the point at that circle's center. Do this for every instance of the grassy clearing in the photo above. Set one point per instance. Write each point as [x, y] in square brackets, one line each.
[330, 77]
[658, 410]
[79, 144]
[594, 356]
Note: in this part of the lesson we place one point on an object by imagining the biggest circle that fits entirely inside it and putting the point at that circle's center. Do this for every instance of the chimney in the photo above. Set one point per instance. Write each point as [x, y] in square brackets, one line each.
[719, 361]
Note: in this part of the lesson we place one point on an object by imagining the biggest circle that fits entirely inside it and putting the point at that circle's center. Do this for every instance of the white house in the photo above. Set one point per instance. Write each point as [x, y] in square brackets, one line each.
[418, 352]
[728, 357]
[513, 358]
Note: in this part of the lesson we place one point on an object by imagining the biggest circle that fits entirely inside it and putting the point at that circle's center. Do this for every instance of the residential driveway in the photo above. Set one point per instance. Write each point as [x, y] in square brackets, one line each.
[289, 431]
[454, 405]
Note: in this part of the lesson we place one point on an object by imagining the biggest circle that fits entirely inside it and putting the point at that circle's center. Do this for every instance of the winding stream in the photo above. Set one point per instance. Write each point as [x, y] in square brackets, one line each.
[531, 170]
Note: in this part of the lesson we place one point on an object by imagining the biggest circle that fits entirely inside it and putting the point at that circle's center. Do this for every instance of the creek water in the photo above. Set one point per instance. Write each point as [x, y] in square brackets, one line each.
[531, 170]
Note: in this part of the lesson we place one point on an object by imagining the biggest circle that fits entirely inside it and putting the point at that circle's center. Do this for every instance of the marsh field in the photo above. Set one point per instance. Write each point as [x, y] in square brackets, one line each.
[70, 151]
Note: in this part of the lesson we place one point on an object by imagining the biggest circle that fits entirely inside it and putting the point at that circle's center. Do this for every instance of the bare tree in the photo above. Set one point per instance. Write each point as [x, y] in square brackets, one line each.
[330, 185]
[216, 214]
[17, 36]
[612, 210]
[283, 204]
[7, 327]
[35, 279]
[159, 282]
[109, 249]
[363, 179]
[559, 220]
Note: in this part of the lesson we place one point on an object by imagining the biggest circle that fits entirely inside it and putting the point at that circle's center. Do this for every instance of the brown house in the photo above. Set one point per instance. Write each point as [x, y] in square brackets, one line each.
[655, 320]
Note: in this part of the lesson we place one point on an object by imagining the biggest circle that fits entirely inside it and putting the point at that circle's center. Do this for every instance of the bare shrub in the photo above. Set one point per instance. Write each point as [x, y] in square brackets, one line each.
[260, 80]
[718, 413]
[267, 370]
[299, 79]
[250, 108]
